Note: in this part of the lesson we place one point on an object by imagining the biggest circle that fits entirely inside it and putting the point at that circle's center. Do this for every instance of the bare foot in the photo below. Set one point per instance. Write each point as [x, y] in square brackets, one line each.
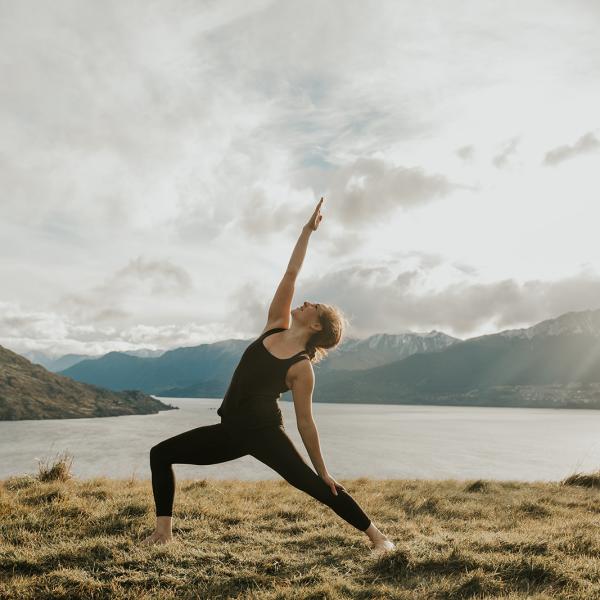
[157, 538]
[381, 546]
[379, 541]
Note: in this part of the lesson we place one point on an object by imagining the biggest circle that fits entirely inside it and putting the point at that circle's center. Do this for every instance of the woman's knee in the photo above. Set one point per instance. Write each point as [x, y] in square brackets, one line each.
[158, 454]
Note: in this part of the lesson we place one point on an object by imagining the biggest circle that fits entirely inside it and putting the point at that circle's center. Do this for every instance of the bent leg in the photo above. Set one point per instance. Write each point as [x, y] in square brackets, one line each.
[205, 445]
[274, 448]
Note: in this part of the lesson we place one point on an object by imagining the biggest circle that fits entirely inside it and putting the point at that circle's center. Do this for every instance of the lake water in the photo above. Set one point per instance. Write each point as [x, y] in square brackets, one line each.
[371, 440]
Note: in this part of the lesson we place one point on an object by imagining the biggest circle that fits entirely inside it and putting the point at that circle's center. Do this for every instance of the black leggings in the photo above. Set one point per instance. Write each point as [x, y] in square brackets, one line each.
[218, 443]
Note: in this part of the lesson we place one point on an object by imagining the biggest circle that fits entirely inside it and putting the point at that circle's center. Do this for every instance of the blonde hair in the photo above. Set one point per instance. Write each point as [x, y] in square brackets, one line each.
[334, 323]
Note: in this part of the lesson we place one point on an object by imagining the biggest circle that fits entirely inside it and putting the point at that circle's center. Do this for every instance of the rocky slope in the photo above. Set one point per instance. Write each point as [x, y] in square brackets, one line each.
[29, 391]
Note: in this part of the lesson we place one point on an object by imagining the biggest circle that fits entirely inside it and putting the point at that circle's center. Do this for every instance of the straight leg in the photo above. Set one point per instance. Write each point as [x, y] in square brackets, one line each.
[273, 447]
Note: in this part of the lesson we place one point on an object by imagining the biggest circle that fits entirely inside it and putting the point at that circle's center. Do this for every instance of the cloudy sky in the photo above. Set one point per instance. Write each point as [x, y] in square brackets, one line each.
[158, 161]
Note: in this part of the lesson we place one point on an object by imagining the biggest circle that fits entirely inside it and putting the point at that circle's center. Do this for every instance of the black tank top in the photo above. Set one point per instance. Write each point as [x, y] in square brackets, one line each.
[257, 383]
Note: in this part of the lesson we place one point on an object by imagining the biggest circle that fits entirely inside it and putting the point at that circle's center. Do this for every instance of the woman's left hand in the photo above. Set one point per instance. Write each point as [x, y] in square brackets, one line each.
[332, 483]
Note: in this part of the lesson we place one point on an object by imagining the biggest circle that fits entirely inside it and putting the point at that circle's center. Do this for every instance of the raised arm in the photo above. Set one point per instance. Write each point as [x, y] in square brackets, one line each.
[281, 305]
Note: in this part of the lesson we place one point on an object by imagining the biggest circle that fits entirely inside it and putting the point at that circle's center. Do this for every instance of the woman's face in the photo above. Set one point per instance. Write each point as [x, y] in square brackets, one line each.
[308, 313]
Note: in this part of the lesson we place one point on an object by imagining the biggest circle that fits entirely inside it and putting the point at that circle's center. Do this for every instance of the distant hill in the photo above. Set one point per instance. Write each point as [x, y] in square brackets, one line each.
[60, 363]
[205, 370]
[555, 363]
[177, 368]
[29, 391]
[55, 364]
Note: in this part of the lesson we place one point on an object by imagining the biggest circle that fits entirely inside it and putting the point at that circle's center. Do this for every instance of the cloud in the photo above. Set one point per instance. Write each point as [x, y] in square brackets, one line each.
[509, 149]
[380, 298]
[262, 215]
[57, 333]
[140, 278]
[247, 308]
[123, 115]
[585, 144]
[370, 190]
[466, 269]
[342, 242]
[163, 275]
[466, 152]
[111, 315]
[16, 322]
[376, 300]
[357, 195]
[210, 128]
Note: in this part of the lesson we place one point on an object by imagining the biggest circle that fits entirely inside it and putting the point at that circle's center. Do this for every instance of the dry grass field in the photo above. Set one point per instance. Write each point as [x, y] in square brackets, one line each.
[65, 538]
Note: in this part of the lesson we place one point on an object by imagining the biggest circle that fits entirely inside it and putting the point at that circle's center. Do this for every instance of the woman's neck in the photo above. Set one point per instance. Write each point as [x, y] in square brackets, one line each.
[298, 337]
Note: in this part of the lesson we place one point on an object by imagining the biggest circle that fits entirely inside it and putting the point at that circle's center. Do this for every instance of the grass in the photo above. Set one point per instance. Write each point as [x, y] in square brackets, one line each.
[57, 469]
[591, 480]
[65, 538]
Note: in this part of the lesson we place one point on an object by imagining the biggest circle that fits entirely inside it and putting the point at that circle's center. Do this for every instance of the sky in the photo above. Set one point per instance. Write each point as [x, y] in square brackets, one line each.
[159, 159]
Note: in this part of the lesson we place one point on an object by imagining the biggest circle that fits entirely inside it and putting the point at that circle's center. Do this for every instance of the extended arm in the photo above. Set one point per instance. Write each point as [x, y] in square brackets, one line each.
[299, 252]
[279, 310]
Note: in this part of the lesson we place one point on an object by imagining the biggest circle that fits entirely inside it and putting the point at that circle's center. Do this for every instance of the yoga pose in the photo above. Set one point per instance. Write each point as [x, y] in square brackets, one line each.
[280, 359]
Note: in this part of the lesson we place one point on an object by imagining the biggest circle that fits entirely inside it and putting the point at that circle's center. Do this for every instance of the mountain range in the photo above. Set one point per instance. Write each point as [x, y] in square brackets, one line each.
[554, 363]
[205, 370]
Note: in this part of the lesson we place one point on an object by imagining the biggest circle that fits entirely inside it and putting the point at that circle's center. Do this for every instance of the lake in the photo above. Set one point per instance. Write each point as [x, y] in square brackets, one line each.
[357, 440]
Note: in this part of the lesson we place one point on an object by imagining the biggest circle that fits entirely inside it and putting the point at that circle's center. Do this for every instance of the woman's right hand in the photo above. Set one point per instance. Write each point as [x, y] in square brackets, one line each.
[332, 483]
[315, 219]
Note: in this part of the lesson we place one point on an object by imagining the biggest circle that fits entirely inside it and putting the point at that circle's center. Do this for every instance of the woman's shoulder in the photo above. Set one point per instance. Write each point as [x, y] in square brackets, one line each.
[301, 376]
[302, 366]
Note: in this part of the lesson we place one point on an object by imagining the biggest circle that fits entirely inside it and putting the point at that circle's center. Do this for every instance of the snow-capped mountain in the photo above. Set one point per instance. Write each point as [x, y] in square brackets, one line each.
[585, 322]
[382, 348]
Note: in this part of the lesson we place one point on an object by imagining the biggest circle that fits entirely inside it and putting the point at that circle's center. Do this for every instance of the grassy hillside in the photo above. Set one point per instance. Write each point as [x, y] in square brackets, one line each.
[267, 540]
[29, 391]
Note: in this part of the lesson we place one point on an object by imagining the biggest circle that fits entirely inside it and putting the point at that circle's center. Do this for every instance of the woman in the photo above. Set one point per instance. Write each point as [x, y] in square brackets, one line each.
[280, 359]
